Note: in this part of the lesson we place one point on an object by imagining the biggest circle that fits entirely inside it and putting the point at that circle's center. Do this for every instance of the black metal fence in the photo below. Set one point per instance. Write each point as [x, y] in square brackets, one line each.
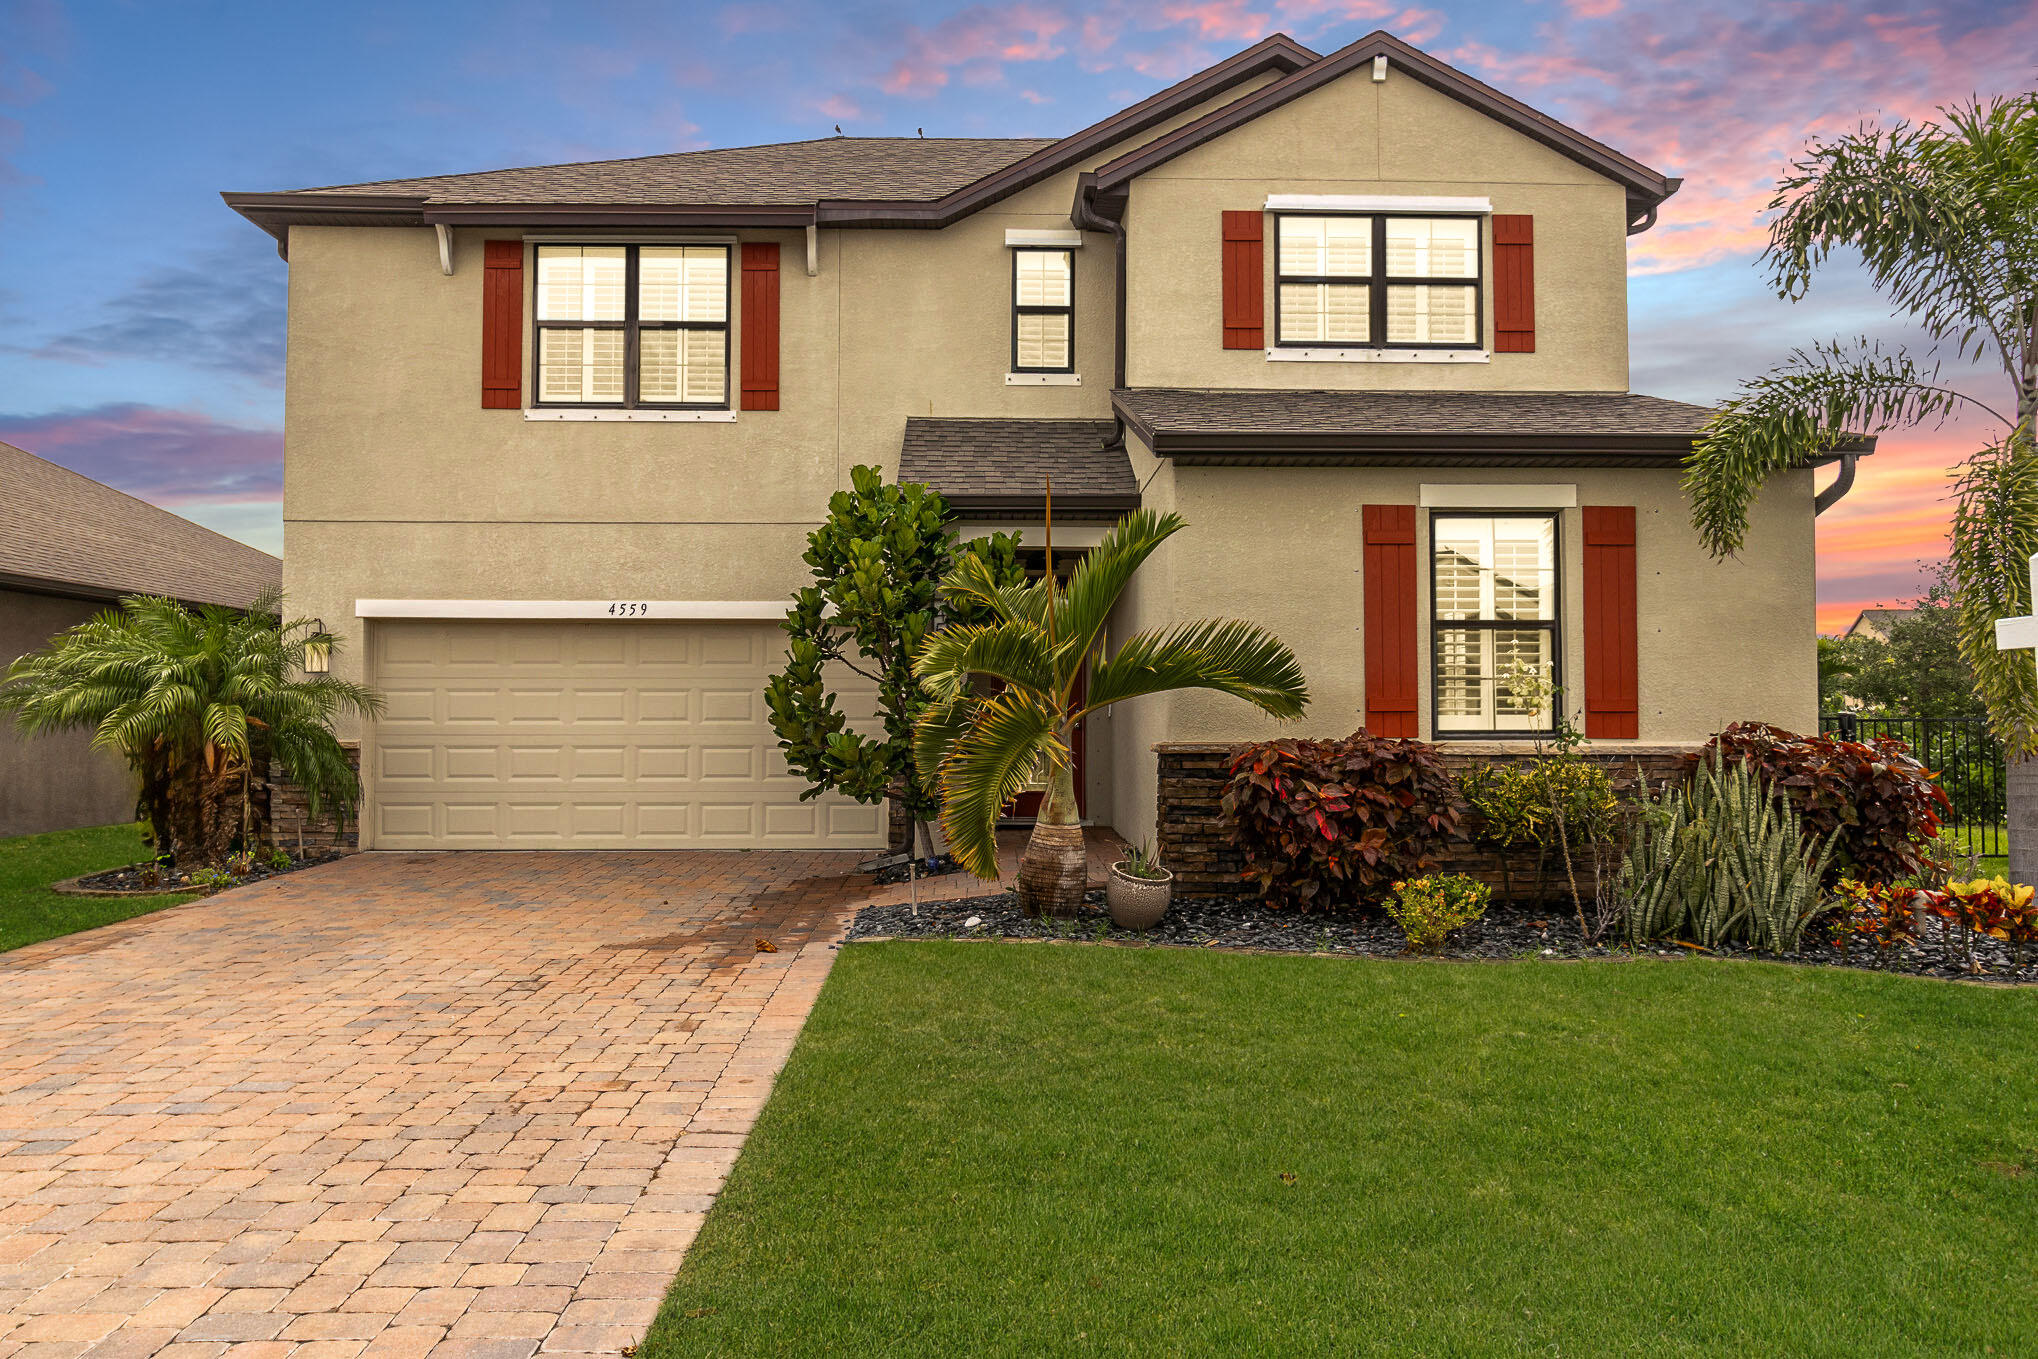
[1965, 755]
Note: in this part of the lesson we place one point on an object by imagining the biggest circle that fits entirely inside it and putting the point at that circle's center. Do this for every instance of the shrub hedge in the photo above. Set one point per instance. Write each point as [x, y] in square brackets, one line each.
[1884, 804]
[1329, 824]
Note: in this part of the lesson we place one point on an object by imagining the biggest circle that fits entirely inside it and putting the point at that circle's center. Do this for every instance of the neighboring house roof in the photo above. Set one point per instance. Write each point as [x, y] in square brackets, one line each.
[1876, 622]
[1646, 188]
[1442, 429]
[68, 533]
[838, 181]
[999, 468]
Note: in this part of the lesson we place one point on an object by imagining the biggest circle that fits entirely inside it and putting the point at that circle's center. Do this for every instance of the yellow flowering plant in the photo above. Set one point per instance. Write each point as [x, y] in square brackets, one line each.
[1429, 908]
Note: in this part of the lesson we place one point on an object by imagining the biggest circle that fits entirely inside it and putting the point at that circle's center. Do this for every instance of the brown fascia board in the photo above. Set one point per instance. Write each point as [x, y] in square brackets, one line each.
[617, 214]
[1030, 505]
[1348, 449]
[1646, 188]
[275, 213]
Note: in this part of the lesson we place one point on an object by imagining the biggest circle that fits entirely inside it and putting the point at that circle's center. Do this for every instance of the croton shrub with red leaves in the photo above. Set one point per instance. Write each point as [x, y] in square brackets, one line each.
[1886, 806]
[1331, 824]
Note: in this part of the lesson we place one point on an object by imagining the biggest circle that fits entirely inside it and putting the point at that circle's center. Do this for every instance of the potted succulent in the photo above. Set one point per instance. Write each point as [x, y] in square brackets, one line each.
[1138, 890]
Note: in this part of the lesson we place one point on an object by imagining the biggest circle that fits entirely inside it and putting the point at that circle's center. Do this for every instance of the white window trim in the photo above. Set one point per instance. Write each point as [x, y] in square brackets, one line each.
[1373, 202]
[670, 610]
[596, 236]
[666, 417]
[1325, 354]
[1466, 495]
[1043, 379]
[1058, 239]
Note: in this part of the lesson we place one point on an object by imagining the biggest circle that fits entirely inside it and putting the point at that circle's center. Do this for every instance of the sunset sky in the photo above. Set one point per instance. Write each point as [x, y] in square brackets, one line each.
[141, 322]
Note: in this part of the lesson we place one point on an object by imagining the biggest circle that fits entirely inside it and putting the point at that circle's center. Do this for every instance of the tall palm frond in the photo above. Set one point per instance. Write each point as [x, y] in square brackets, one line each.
[1944, 215]
[1231, 656]
[1003, 710]
[989, 764]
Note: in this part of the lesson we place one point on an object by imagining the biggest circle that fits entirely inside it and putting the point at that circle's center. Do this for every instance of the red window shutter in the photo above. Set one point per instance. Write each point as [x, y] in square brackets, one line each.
[1391, 653]
[760, 325]
[1514, 284]
[1245, 280]
[502, 326]
[1612, 667]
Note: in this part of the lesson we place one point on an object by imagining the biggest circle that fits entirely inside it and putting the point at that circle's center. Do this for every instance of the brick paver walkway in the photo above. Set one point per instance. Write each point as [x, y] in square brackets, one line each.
[401, 1105]
[406, 1104]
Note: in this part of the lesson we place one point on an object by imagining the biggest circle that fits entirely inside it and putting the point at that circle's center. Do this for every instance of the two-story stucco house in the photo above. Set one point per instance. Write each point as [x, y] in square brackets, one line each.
[556, 436]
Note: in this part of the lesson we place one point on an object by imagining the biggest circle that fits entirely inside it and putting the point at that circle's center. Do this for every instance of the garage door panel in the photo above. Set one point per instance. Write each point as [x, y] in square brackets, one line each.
[592, 707]
[595, 734]
[660, 764]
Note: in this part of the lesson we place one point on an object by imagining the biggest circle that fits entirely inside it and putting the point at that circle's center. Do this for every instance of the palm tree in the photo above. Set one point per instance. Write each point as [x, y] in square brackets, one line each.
[1003, 706]
[195, 699]
[1945, 217]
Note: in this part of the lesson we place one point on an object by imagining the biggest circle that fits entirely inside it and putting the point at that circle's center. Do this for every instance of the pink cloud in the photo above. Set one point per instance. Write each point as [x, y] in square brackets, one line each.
[975, 41]
[1661, 86]
[1219, 19]
[167, 457]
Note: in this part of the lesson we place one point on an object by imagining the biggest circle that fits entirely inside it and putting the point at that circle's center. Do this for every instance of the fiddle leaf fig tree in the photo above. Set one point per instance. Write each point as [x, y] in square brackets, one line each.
[878, 562]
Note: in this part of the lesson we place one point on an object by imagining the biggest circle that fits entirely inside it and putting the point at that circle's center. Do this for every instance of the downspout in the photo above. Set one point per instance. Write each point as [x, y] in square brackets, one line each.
[1087, 218]
[1842, 484]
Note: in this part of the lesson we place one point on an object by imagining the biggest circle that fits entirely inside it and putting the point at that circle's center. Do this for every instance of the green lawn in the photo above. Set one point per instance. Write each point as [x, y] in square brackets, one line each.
[31, 913]
[1021, 1149]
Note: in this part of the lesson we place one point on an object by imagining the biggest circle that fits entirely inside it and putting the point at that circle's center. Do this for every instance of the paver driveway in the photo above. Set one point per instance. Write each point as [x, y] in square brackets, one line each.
[401, 1105]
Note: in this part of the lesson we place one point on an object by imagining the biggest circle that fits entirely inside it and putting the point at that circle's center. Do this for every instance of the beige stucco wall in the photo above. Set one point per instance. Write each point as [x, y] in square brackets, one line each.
[1718, 642]
[398, 483]
[1357, 137]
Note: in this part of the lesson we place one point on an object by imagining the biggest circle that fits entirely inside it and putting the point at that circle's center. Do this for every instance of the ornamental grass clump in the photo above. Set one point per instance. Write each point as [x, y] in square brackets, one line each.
[1878, 805]
[1726, 861]
[1430, 909]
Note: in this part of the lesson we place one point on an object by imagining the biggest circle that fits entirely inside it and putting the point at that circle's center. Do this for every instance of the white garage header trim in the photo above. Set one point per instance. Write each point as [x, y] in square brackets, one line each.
[673, 610]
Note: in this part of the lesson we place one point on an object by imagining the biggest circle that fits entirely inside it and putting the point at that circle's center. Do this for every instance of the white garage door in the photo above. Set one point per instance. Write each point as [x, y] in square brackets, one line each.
[590, 735]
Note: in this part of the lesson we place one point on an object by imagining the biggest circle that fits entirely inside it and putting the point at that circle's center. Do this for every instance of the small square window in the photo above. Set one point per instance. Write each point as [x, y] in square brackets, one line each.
[1043, 310]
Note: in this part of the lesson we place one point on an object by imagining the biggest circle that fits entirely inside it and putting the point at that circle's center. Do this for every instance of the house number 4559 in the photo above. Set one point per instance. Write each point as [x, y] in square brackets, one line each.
[622, 610]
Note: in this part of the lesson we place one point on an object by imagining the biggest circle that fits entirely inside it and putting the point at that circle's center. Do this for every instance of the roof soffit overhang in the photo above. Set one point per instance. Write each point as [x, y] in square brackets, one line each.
[276, 213]
[1470, 448]
[1646, 188]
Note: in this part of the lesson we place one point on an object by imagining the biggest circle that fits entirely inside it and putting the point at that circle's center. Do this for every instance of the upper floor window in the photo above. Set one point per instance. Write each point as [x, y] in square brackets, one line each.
[1493, 621]
[1379, 281]
[1043, 310]
[633, 325]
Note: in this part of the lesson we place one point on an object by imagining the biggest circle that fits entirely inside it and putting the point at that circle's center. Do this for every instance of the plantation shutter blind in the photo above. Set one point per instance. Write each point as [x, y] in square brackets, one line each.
[1612, 663]
[1244, 280]
[1514, 284]
[1392, 658]
[760, 325]
[502, 325]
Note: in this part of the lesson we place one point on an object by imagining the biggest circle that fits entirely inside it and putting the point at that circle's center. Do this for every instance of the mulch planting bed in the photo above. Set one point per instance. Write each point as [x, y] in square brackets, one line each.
[1506, 932]
[938, 867]
[129, 881]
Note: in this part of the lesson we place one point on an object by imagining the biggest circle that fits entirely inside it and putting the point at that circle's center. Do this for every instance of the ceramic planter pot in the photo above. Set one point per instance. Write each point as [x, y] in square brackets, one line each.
[1137, 903]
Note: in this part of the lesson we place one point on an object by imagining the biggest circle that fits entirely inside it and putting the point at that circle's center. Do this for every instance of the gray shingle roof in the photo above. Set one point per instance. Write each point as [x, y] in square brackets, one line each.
[1408, 429]
[1204, 411]
[788, 173]
[989, 465]
[67, 530]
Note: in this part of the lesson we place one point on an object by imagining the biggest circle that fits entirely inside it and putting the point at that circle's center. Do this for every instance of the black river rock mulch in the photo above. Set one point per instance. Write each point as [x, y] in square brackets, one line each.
[1506, 932]
[131, 880]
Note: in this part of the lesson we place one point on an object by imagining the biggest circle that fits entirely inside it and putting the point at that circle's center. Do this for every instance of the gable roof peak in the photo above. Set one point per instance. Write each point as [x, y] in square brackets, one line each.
[1646, 188]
